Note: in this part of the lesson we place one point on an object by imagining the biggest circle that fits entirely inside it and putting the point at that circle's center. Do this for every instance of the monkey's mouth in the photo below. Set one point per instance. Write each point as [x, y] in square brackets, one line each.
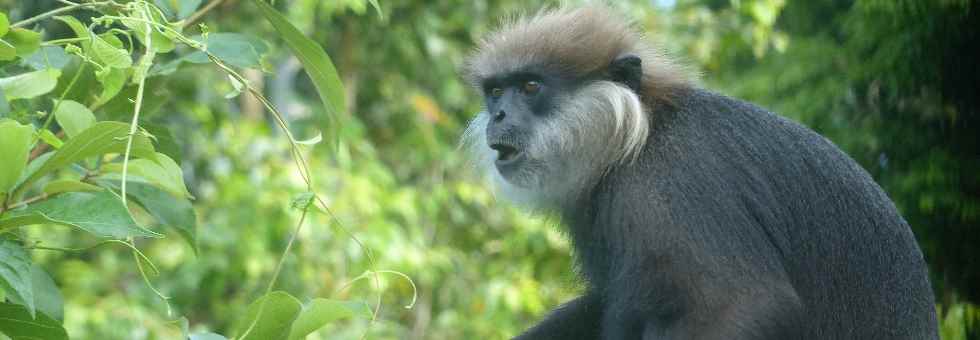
[506, 154]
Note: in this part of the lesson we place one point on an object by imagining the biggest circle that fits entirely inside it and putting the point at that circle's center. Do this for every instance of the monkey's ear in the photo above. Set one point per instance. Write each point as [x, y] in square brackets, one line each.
[627, 69]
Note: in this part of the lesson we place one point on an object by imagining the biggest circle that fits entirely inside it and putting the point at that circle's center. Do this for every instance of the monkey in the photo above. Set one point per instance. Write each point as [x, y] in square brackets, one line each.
[691, 214]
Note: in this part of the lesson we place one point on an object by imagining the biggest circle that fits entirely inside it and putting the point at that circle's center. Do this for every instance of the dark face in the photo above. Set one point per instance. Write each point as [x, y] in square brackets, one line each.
[517, 104]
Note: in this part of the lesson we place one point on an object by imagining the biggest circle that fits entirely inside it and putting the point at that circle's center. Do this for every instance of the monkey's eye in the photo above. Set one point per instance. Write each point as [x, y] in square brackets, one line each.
[532, 87]
[496, 92]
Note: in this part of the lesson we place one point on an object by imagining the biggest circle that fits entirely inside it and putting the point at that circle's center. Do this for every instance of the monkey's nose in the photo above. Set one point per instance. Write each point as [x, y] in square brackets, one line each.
[497, 117]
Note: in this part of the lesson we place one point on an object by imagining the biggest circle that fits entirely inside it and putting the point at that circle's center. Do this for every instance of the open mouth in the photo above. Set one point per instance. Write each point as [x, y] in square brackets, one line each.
[505, 153]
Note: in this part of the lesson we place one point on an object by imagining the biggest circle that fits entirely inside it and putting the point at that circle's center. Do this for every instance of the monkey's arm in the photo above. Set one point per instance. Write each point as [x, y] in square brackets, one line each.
[576, 319]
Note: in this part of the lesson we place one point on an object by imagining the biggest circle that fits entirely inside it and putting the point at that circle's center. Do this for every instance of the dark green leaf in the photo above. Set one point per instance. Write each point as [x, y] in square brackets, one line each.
[279, 310]
[101, 138]
[48, 57]
[171, 211]
[18, 324]
[238, 50]
[320, 312]
[15, 273]
[47, 297]
[100, 213]
[164, 141]
[316, 62]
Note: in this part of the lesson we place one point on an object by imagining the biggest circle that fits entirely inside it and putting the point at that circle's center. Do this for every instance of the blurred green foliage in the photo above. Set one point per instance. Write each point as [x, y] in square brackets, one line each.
[891, 82]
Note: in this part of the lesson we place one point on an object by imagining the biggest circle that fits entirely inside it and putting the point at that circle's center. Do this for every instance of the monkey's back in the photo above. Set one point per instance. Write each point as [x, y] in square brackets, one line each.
[850, 256]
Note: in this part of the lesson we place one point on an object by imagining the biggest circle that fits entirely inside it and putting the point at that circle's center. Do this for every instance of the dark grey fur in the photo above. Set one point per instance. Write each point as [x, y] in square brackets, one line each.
[735, 223]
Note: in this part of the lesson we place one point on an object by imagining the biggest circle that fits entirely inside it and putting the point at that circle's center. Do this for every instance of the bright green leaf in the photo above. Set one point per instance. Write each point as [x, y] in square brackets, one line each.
[316, 62]
[4, 24]
[7, 51]
[112, 80]
[110, 55]
[15, 273]
[47, 297]
[30, 84]
[50, 138]
[161, 42]
[320, 312]
[15, 145]
[99, 213]
[164, 173]
[67, 185]
[171, 211]
[74, 117]
[18, 324]
[279, 310]
[101, 138]
[24, 40]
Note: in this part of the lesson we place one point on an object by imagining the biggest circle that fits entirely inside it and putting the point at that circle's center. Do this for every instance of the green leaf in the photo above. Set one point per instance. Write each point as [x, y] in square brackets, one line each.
[109, 54]
[100, 213]
[7, 51]
[4, 24]
[15, 145]
[50, 138]
[236, 49]
[18, 324]
[30, 84]
[316, 62]
[67, 185]
[320, 312]
[48, 57]
[161, 42]
[377, 8]
[171, 211]
[164, 173]
[24, 40]
[101, 138]
[47, 297]
[112, 80]
[164, 140]
[74, 117]
[80, 29]
[15, 273]
[279, 310]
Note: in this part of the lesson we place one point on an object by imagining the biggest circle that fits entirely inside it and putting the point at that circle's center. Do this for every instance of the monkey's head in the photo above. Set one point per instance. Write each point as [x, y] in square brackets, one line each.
[566, 98]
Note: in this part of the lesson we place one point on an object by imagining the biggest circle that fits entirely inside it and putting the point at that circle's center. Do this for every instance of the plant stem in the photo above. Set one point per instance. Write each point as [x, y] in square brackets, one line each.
[57, 11]
[200, 13]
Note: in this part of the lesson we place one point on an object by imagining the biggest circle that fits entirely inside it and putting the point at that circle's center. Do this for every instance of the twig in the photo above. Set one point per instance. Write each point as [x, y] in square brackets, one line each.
[200, 13]
[57, 11]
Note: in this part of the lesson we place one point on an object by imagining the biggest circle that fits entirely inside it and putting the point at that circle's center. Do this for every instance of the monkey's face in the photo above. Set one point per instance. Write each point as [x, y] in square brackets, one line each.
[518, 105]
[543, 138]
